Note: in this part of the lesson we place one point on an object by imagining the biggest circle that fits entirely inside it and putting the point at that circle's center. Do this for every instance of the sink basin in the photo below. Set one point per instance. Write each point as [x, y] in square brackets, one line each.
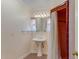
[39, 39]
[39, 42]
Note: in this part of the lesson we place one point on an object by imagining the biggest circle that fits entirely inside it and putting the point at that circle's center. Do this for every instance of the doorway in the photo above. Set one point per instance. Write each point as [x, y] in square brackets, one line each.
[62, 13]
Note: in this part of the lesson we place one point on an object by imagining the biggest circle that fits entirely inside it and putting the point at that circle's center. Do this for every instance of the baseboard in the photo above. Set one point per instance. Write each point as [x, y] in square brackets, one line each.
[23, 56]
[34, 51]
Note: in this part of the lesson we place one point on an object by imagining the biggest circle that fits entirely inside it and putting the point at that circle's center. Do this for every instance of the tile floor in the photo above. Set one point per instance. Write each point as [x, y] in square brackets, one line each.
[34, 56]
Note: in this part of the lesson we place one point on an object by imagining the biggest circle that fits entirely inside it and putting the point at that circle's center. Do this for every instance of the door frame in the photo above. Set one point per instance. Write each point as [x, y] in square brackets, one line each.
[60, 7]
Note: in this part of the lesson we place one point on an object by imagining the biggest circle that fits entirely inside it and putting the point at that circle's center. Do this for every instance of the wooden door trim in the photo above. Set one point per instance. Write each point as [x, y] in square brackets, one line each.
[59, 7]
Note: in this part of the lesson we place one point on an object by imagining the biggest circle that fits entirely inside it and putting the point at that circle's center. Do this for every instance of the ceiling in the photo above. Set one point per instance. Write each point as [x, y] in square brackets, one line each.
[43, 4]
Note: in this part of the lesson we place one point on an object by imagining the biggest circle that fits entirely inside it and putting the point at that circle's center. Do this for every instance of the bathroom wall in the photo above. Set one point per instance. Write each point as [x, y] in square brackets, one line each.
[53, 43]
[76, 25]
[14, 43]
[45, 45]
[72, 28]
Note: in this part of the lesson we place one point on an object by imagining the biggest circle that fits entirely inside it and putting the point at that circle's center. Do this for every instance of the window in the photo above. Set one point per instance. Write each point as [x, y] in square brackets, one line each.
[48, 25]
[33, 25]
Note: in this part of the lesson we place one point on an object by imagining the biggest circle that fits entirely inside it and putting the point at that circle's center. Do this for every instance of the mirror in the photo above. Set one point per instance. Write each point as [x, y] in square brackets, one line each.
[41, 24]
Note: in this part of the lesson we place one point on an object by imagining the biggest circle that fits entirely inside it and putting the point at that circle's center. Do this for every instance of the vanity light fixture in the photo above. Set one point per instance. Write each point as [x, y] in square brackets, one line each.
[42, 15]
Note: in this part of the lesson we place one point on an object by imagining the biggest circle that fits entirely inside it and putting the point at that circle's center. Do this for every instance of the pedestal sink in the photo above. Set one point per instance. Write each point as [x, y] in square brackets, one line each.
[39, 42]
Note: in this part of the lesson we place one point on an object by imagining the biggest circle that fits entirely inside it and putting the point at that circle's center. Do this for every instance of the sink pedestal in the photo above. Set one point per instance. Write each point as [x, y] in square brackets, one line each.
[39, 44]
[39, 53]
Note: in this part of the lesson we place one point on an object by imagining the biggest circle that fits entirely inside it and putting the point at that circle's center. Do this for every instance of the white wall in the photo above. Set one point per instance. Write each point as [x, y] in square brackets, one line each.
[52, 42]
[73, 28]
[72, 31]
[14, 43]
[76, 25]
